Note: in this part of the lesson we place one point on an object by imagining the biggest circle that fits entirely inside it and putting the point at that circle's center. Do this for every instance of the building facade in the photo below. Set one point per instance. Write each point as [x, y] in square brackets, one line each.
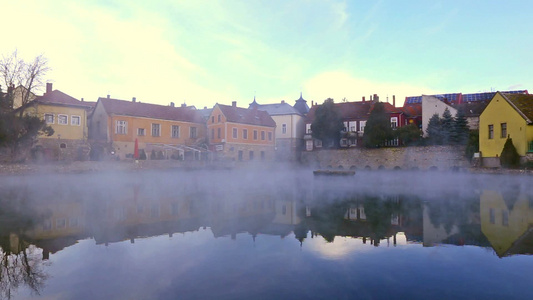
[240, 134]
[162, 132]
[507, 115]
[68, 117]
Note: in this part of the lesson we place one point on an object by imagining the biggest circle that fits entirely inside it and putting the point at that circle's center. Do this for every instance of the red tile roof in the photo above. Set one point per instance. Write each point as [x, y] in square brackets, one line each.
[247, 116]
[412, 110]
[153, 111]
[58, 97]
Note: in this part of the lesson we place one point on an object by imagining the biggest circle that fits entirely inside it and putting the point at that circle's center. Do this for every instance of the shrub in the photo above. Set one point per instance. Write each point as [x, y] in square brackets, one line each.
[509, 158]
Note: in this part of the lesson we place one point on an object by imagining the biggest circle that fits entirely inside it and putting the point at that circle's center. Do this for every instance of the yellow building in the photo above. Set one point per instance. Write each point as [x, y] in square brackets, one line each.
[507, 115]
[241, 134]
[166, 131]
[68, 117]
[507, 222]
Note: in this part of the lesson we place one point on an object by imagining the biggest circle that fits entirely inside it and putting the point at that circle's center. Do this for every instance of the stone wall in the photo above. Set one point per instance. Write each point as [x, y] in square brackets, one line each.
[405, 158]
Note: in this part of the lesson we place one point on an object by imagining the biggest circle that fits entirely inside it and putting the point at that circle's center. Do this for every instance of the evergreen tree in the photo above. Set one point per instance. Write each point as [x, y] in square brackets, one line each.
[509, 157]
[472, 145]
[434, 130]
[327, 125]
[447, 125]
[460, 133]
[377, 129]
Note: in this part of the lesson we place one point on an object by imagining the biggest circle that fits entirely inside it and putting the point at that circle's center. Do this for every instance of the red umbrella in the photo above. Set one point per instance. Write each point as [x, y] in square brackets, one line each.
[136, 150]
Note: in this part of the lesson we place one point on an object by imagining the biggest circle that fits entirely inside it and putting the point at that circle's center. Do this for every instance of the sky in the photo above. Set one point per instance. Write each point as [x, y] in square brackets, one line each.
[206, 52]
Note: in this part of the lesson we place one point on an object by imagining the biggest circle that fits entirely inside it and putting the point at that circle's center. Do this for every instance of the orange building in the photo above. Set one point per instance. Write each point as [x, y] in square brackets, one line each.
[162, 132]
[241, 134]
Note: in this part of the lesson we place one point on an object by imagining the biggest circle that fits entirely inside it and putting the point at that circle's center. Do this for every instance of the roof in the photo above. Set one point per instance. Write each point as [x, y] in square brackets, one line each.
[356, 110]
[412, 110]
[246, 116]
[301, 105]
[153, 111]
[458, 98]
[472, 109]
[523, 103]
[277, 109]
[58, 97]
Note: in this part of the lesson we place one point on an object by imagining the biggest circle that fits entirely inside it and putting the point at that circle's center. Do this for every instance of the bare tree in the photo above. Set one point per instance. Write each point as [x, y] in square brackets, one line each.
[28, 76]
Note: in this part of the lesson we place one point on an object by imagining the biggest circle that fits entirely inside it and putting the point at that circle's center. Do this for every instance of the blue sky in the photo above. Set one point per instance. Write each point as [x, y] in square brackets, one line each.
[204, 52]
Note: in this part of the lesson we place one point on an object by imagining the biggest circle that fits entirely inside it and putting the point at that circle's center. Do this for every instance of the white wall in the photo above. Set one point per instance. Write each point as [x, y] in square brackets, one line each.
[433, 105]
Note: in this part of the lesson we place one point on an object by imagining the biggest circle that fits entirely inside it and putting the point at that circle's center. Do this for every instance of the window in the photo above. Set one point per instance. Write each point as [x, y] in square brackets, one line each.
[394, 122]
[218, 117]
[240, 155]
[140, 132]
[308, 128]
[352, 126]
[504, 130]
[175, 131]
[362, 125]
[251, 155]
[262, 135]
[284, 128]
[270, 136]
[62, 119]
[262, 155]
[245, 134]
[219, 132]
[156, 129]
[49, 118]
[491, 131]
[212, 119]
[121, 127]
[212, 133]
[175, 209]
[345, 126]
[63, 146]
[255, 134]
[492, 216]
[505, 218]
[235, 134]
[75, 120]
[193, 133]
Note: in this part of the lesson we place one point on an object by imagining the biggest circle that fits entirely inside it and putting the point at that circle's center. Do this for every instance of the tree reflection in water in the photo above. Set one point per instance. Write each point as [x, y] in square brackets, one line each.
[22, 268]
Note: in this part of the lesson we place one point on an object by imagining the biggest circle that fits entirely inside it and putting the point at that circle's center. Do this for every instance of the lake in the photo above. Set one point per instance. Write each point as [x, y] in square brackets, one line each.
[276, 234]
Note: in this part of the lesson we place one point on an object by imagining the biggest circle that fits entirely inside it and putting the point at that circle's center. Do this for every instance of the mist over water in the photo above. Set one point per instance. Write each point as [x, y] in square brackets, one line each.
[265, 233]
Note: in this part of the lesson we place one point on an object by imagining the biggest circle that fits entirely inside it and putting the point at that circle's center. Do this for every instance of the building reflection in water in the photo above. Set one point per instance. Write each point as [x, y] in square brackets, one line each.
[44, 223]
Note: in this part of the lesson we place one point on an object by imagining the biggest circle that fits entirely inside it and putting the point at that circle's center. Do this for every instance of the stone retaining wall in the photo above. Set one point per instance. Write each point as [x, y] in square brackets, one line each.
[405, 158]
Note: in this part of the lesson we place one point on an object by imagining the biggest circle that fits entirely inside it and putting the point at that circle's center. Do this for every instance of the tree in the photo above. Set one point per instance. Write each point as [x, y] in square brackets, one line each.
[447, 126]
[377, 130]
[472, 145]
[29, 76]
[327, 125]
[18, 129]
[408, 135]
[460, 132]
[509, 157]
[434, 130]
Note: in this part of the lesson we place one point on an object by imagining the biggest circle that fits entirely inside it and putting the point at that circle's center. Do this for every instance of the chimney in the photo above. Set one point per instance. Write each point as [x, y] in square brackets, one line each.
[134, 99]
[48, 87]
[184, 105]
[312, 103]
[370, 98]
[376, 97]
[205, 107]
[81, 99]
[234, 103]
[364, 99]
[108, 96]
[394, 100]
[171, 104]
[282, 101]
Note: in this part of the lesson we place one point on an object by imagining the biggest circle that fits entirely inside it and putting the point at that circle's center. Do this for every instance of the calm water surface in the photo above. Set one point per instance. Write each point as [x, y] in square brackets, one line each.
[266, 235]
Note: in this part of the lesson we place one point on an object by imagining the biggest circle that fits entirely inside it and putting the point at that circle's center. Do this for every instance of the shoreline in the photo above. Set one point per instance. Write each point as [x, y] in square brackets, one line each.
[81, 167]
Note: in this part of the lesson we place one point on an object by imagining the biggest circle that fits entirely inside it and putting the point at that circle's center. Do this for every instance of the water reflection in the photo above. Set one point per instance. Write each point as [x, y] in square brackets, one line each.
[41, 219]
